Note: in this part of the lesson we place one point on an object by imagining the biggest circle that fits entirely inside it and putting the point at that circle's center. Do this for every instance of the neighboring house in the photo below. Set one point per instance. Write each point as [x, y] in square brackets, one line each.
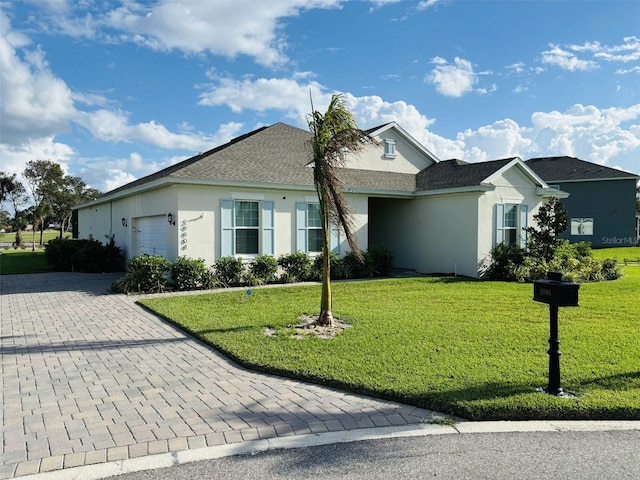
[255, 195]
[601, 207]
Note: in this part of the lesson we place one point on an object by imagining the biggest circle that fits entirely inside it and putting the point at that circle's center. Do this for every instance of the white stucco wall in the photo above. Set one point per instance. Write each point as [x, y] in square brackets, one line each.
[513, 187]
[408, 159]
[196, 210]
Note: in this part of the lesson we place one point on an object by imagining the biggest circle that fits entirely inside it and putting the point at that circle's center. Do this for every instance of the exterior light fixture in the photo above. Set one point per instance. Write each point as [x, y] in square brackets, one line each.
[124, 222]
[170, 219]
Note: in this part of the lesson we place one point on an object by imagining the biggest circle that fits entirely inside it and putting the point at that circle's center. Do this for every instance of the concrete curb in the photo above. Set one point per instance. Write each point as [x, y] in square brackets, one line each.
[164, 460]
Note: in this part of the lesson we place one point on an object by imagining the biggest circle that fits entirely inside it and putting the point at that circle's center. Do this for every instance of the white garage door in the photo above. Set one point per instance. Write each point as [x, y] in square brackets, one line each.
[151, 235]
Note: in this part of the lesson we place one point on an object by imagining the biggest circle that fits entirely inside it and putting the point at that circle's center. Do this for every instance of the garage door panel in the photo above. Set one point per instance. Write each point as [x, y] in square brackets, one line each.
[151, 235]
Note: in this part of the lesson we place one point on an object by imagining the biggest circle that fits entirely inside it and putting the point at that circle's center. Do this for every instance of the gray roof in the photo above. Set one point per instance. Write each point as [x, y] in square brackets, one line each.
[457, 173]
[571, 169]
[279, 155]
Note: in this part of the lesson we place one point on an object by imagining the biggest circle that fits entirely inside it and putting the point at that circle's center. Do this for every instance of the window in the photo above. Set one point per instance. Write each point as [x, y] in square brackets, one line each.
[389, 149]
[247, 231]
[314, 228]
[247, 227]
[582, 226]
[309, 228]
[511, 220]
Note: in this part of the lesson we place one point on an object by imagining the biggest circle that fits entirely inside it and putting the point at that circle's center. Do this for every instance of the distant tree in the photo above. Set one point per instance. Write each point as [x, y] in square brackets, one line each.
[71, 192]
[45, 179]
[334, 134]
[39, 215]
[544, 237]
[5, 218]
[13, 191]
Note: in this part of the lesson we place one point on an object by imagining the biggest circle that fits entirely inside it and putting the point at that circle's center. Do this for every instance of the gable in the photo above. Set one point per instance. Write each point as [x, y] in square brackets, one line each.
[394, 151]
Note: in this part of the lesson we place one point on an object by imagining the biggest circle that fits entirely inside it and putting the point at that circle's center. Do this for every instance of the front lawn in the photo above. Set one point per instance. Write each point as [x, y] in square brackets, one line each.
[472, 348]
[14, 261]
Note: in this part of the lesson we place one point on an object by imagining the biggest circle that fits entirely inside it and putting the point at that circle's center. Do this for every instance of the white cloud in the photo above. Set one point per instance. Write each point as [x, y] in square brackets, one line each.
[566, 60]
[34, 103]
[264, 94]
[452, 80]
[220, 27]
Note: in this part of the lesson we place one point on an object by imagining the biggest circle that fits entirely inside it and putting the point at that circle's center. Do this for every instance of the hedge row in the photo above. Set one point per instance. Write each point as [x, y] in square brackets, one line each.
[89, 256]
[155, 273]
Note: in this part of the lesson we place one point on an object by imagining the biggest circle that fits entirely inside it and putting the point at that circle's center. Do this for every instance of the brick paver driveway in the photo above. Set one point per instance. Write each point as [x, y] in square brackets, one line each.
[89, 377]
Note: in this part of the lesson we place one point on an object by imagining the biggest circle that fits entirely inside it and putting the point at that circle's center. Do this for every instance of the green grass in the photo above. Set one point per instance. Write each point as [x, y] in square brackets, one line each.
[10, 237]
[626, 255]
[471, 348]
[23, 261]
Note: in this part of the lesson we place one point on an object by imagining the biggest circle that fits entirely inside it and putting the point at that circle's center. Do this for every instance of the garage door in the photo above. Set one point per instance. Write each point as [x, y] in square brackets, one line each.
[151, 235]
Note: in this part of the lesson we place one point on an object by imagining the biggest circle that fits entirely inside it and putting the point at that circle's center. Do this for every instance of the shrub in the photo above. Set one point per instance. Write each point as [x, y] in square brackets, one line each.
[90, 256]
[336, 267]
[265, 268]
[296, 266]
[191, 274]
[353, 267]
[382, 260]
[504, 260]
[610, 269]
[145, 274]
[229, 270]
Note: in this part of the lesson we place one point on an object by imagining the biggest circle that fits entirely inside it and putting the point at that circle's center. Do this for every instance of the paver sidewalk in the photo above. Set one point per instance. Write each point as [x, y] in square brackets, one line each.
[89, 377]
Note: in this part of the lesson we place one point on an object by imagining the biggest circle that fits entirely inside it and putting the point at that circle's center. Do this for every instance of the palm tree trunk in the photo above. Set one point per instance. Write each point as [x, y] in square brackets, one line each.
[326, 317]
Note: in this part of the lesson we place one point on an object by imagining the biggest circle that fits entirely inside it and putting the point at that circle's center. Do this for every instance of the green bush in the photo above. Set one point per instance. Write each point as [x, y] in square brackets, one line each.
[610, 269]
[229, 270]
[145, 274]
[574, 261]
[265, 268]
[382, 260]
[89, 256]
[191, 274]
[296, 266]
[504, 260]
[336, 267]
[353, 267]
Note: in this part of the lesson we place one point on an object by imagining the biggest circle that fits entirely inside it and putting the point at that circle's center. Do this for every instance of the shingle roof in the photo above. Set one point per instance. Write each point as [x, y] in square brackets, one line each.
[457, 173]
[573, 169]
[277, 154]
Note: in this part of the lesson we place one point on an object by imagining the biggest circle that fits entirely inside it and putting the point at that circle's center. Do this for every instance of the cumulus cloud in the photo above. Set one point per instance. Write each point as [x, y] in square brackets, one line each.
[452, 80]
[34, 103]
[218, 27]
[566, 60]
[36, 106]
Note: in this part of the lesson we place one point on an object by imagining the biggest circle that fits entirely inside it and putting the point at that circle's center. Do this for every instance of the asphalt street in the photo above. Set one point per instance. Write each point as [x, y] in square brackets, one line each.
[530, 455]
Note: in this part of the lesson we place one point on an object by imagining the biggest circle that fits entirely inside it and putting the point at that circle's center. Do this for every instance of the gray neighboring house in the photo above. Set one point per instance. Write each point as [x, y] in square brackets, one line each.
[601, 206]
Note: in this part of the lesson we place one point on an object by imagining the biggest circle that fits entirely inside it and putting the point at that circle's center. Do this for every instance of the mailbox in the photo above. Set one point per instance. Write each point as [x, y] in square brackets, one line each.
[553, 291]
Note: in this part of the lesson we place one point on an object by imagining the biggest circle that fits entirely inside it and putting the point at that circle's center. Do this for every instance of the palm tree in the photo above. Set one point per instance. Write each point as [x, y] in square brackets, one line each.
[334, 135]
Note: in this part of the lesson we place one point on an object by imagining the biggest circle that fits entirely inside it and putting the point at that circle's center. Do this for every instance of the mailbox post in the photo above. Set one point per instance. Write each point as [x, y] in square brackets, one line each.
[556, 293]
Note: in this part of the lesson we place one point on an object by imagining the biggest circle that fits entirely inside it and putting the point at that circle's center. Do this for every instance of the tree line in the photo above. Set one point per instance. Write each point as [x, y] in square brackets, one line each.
[48, 197]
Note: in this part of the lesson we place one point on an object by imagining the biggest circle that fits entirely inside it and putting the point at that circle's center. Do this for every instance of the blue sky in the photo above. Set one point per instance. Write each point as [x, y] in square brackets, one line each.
[114, 90]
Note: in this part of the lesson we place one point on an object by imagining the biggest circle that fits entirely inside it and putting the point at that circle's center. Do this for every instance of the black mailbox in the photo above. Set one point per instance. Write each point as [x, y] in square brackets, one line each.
[553, 291]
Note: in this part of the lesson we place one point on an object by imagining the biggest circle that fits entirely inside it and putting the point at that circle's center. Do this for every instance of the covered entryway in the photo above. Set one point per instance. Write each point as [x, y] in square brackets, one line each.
[150, 235]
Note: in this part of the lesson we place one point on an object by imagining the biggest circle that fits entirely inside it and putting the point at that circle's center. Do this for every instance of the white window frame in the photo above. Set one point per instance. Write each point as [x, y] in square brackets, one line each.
[522, 214]
[302, 229]
[239, 228]
[389, 148]
[229, 228]
[582, 226]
